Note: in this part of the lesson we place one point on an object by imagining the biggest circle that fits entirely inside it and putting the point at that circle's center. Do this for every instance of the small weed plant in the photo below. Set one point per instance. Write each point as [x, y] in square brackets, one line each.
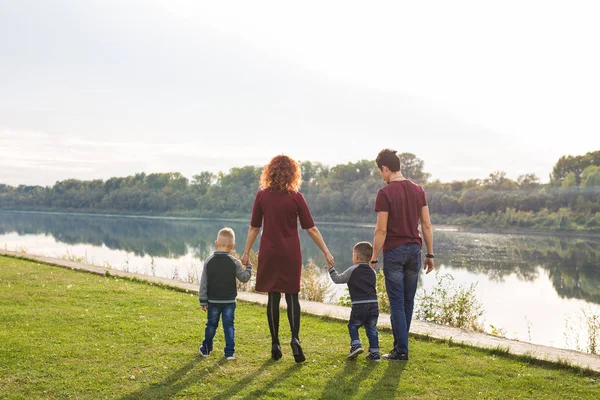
[450, 304]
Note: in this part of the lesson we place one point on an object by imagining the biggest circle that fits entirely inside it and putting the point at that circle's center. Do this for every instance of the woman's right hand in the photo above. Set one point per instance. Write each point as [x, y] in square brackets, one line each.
[245, 259]
[330, 259]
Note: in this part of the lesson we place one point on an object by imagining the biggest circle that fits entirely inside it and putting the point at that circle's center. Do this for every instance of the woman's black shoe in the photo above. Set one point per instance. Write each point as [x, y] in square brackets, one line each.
[276, 352]
[297, 350]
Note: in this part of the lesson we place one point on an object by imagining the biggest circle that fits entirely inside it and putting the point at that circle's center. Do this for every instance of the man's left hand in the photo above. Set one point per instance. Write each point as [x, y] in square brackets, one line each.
[428, 265]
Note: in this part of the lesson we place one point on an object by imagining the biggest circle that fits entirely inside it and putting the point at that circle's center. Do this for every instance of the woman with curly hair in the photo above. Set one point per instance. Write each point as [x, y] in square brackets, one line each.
[277, 207]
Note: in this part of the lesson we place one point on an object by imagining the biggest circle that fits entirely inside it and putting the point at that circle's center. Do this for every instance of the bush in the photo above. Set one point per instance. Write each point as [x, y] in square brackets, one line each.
[382, 296]
[344, 299]
[314, 287]
[594, 221]
[588, 324]
[593, 331]
[449, 304]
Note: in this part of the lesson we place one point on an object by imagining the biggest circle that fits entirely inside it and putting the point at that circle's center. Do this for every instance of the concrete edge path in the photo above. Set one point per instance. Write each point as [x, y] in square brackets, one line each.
[334, 311]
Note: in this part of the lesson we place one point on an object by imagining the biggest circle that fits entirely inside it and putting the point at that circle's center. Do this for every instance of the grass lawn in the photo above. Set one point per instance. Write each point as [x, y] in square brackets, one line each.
[67, 334]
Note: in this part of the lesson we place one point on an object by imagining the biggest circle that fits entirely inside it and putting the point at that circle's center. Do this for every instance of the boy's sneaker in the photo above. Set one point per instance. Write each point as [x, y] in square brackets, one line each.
[374, 356]
[230, 358]
[204, 351]
[355, 350]
[395, 356]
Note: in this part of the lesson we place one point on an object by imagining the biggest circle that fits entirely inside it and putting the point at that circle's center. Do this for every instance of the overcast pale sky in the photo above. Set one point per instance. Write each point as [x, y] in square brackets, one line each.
[93, 89]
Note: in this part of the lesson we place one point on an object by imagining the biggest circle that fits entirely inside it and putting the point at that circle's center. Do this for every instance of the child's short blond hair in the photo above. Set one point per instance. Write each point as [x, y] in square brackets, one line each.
[226, 237]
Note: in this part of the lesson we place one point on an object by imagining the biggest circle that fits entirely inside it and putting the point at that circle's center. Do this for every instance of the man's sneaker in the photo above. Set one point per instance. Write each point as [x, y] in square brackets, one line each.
[374, 356]
[204, 351]
[230, 358]
[395, 356]
[355, 350]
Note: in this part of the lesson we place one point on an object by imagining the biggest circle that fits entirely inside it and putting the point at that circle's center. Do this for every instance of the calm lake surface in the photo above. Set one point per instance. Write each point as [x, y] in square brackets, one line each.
[534, 287]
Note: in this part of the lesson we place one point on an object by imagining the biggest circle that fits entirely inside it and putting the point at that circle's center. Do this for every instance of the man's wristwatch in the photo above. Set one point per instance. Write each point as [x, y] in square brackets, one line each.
[373, 261]
[429, 255]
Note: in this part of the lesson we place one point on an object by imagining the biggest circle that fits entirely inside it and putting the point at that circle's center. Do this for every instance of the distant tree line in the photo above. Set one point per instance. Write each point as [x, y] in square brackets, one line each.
[345, 192]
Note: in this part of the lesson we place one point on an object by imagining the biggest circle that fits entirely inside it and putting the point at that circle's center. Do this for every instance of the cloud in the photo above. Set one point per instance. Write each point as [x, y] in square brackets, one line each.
[37, 158]
[87, 94]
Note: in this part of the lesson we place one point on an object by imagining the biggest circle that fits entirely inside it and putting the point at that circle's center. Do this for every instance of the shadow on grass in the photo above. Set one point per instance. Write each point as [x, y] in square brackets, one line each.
[172, 384]
[387, 386]
[241, 385]
[186, 376]
[269, 385]
[346, 383]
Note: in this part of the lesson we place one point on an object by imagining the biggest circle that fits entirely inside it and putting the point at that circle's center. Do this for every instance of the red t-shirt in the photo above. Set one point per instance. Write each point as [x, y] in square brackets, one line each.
[279, 257]
[403, 200]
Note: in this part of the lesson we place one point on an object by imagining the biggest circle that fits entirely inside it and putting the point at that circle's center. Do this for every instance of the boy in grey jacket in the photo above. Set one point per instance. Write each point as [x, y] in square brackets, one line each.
[362, 285]
[218, 292]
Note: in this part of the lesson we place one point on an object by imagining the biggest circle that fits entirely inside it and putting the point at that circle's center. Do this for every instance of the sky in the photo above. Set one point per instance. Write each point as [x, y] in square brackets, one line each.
[94, 89]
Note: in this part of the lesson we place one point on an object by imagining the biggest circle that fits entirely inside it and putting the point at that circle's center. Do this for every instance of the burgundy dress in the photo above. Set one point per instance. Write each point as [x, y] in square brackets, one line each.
[279, 256]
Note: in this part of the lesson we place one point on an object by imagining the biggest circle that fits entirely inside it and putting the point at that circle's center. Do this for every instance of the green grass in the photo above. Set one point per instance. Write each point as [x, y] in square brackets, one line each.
[67, 334]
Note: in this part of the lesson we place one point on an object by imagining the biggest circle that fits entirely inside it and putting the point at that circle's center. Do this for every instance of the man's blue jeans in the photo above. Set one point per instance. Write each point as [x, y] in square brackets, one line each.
[401, 267]
[364, 314]
[227, 312]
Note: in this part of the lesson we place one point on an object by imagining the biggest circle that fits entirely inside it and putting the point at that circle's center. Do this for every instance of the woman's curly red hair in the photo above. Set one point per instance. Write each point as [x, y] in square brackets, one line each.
[282, 174]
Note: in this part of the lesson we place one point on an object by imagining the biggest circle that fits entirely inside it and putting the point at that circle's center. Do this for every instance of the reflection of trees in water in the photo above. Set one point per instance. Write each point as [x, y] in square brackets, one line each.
[573, 264]
[156, 238]
[165, 238]
[492, 255]
[581, 279]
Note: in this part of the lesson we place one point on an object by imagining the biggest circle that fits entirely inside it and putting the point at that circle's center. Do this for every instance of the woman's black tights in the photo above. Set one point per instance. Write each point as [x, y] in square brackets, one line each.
[293, 312]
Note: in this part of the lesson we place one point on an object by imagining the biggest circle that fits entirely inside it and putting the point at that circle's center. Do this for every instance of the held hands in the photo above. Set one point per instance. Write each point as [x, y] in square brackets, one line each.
[428, 265]
[204, 308]
[245, 260]
[330, 259]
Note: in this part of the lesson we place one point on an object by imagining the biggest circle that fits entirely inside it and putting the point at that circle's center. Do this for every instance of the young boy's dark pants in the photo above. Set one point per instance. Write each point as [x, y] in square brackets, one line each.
[364, 314]
[227, 312]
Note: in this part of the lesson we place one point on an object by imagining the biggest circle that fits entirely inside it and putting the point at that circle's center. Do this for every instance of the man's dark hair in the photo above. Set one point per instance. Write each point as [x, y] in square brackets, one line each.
[388, 158]
[363, 250]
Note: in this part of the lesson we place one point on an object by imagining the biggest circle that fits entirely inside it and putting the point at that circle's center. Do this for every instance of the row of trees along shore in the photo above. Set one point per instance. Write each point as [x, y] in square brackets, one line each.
[345, 192]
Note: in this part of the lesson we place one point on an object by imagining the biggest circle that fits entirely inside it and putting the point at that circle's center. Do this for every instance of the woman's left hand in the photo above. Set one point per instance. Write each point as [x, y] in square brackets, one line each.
[245, 259]
[330, 259]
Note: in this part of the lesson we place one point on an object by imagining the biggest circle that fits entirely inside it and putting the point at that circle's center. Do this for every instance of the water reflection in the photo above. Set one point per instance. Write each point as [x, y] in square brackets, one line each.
[572, 264]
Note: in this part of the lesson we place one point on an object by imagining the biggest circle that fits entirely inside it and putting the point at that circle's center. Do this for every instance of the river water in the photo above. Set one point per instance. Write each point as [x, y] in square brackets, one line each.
[534, 288]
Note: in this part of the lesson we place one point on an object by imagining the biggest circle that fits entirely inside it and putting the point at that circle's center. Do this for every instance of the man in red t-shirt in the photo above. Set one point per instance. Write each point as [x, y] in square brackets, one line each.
[400, 206]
